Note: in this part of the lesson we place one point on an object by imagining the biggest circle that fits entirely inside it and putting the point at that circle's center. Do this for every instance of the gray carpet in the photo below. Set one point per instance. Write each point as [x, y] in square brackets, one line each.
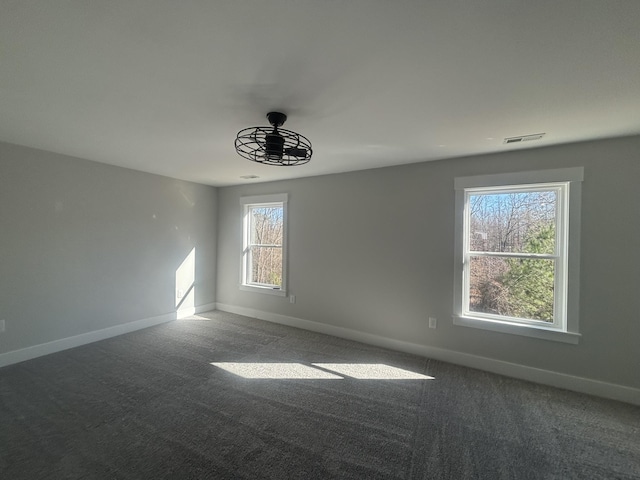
[150, 405]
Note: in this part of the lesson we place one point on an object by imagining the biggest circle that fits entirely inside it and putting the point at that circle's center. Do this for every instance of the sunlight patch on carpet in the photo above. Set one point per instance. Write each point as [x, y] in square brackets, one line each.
[372, 371]
[331, 371]
[275, 370]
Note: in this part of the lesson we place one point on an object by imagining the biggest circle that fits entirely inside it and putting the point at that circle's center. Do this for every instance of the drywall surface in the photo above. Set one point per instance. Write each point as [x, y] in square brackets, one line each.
[86, 246]
[373, 251]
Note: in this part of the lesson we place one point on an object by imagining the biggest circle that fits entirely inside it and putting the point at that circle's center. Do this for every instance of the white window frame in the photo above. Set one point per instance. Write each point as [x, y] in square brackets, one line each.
[567, 182]
[275, 200]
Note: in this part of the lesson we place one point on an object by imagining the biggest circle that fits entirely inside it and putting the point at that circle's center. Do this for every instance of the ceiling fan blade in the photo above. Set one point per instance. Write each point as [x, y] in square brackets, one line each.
[296, 152]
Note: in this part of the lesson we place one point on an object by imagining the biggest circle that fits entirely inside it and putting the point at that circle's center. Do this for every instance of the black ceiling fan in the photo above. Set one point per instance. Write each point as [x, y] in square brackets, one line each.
[273, 145]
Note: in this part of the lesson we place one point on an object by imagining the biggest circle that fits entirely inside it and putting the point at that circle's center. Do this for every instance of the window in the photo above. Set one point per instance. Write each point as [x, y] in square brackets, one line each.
[264, 244]
[517, 253]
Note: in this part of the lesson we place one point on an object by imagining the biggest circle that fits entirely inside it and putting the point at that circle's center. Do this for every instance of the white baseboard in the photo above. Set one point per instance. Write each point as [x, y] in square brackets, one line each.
[188, 311]
[546, 377]
[16, 356]
[205, 308]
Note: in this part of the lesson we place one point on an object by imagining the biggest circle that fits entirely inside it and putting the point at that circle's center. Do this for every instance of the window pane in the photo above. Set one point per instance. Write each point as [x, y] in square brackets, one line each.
[514, 287]
[266, 225]
[266, 265]
[522, 222]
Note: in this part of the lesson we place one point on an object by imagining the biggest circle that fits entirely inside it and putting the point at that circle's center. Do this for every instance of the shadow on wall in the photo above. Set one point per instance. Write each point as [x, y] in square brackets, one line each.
[185, 293]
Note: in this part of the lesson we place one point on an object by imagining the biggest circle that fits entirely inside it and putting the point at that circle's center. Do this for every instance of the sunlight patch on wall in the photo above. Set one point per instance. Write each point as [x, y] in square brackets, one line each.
[275, 370]
[185, 296]
[372, 371]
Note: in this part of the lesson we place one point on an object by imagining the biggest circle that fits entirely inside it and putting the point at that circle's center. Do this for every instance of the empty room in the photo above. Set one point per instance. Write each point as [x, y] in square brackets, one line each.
[303, 239]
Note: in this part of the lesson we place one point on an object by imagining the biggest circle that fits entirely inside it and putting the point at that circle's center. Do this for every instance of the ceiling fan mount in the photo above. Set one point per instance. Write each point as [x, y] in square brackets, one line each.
[276, 119]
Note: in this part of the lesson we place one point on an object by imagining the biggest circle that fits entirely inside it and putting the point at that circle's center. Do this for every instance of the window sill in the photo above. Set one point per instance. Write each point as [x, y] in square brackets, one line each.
[266, 290]
[514, 329]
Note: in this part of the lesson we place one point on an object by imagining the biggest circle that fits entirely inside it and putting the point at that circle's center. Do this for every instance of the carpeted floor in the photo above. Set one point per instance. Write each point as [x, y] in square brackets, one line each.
[150, 405]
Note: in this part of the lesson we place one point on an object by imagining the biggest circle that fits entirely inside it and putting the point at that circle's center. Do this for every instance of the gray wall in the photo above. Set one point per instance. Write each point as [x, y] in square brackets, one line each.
[373, 251]
[86, 246]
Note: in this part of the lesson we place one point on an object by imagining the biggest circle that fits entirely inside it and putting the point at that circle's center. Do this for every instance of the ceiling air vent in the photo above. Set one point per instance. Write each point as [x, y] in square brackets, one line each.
[524, 138]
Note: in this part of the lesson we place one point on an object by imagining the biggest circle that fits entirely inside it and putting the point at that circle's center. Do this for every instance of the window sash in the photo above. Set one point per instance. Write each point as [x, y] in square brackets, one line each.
[557, 188]
[250, 273]
[559, 256]
[250, 204]
[467, 311]
[481, 253]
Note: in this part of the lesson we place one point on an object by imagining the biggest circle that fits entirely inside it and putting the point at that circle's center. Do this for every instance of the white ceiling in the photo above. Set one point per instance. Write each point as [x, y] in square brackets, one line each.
[163, 86]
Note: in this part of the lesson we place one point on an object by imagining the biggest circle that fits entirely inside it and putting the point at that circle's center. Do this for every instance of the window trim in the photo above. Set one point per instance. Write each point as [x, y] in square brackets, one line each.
[565, 329]
[246, 203]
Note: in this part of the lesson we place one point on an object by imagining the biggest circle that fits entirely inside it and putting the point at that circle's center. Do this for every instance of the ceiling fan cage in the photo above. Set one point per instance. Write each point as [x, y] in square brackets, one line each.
[273, 146]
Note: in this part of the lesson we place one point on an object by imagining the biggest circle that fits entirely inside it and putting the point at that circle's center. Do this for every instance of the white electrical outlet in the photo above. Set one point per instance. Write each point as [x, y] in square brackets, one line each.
[2, 325]
[433, 322]
[292, 298]
[180, 293]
